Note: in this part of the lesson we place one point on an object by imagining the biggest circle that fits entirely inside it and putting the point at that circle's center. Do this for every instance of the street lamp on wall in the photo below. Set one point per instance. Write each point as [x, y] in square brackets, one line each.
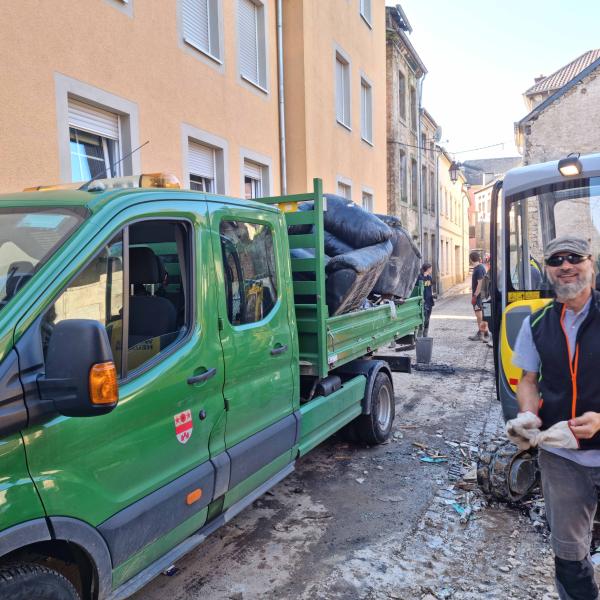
[454, 169]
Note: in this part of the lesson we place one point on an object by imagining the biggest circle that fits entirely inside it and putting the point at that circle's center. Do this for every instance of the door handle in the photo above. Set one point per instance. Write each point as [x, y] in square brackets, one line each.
[279, 349]
[202, 377]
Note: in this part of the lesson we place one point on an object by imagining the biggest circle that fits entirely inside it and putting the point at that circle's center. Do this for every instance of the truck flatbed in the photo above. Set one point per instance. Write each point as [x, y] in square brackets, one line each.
[327, 342]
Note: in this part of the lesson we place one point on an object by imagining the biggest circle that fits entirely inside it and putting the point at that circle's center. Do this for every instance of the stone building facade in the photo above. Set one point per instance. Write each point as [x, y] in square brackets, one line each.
[568, 119]
[405, 72]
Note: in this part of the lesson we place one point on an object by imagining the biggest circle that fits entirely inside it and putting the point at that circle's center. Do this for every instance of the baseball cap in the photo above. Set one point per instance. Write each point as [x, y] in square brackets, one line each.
[567, 243]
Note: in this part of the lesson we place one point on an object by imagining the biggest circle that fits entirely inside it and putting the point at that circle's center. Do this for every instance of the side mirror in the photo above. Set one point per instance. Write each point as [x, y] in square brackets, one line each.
[80, 378]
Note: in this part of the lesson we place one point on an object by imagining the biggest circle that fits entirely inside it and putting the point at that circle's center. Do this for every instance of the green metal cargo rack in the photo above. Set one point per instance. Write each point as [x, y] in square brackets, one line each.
[329, 342]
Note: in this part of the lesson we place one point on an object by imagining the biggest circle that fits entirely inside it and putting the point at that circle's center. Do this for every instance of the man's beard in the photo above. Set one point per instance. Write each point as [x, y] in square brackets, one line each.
[568, 291]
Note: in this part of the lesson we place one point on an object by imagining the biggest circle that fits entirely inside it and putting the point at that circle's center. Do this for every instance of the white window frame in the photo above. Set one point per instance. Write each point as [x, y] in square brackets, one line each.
[192, 134]
[192, 36]
[366, 110]
[343, 102]
[366, 12]
[344, 187]
[368, 193]
[208, 180]
[262, 162]
[259, 78]
[65, 88]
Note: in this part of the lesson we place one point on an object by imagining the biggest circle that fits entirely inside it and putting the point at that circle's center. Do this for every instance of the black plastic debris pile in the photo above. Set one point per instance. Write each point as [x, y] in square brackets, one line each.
[368, 256]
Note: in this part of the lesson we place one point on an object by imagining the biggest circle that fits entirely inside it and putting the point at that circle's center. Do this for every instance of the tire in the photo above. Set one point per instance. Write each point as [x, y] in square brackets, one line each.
[31, 581]
[376, 427]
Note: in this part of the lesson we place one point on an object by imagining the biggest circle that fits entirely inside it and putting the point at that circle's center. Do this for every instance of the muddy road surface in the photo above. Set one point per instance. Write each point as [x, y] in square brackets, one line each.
[356, 522]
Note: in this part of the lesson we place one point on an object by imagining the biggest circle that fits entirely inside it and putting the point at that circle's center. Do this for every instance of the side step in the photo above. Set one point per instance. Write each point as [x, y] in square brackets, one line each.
[156, 568]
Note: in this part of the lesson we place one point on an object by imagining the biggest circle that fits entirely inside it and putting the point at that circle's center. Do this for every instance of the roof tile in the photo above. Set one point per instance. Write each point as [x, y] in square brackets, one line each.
[565, 74]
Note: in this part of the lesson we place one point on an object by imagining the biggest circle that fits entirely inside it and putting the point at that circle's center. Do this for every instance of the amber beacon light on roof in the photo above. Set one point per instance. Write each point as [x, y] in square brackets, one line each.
[145, 180]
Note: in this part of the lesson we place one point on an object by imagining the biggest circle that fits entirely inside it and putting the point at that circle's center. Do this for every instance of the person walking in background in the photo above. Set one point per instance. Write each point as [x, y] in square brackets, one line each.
[477, 278]
[428, 303]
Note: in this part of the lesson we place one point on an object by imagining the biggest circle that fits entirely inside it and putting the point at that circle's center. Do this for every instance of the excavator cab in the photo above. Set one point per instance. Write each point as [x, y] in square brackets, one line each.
[531, 206]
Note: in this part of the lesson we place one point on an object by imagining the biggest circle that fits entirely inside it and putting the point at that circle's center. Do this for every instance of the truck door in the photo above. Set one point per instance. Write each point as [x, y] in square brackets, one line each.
[141, 474]
[256, 336]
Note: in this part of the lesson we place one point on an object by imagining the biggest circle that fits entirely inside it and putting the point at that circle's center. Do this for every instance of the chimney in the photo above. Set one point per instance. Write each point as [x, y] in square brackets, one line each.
[539, 78]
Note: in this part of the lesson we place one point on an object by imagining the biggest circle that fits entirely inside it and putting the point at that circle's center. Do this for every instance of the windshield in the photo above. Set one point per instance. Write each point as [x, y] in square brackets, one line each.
[535, 219]
[28, 237]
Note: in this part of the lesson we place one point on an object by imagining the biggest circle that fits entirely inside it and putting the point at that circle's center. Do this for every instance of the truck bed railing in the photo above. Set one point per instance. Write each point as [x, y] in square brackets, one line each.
[329, 342]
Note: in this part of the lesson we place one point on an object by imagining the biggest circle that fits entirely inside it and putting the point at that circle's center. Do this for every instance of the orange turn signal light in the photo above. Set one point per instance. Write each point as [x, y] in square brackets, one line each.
[103, 383]
[193, 496]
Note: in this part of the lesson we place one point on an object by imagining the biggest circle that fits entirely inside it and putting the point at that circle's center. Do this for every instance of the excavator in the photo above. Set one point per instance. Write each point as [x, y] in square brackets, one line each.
[531, 205]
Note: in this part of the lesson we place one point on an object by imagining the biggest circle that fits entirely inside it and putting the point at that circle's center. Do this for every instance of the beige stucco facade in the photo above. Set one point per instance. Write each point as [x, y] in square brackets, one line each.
[454, 225]
[131, 58]
[318, 145]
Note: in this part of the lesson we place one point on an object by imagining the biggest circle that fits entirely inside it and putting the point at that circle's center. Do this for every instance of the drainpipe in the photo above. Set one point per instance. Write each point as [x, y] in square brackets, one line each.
[419, 161]
[282, 156]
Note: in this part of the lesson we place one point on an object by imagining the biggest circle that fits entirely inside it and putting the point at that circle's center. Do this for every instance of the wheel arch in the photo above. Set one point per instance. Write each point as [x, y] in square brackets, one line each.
[64, 539]
[370, 369]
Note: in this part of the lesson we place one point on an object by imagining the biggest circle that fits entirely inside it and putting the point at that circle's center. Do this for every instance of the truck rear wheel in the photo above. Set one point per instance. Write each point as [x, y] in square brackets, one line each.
[375, 428]
[27, 581]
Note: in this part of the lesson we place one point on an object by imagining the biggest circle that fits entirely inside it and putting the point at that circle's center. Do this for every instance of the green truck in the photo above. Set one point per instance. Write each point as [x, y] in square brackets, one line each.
[157, 375]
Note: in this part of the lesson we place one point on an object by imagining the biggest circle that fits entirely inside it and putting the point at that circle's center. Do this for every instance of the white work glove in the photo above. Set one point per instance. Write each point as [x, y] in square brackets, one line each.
[557, 436]
[523, 430]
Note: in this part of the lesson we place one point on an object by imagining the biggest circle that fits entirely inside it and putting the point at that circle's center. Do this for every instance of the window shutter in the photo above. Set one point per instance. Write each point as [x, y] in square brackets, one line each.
[252, 170]
[195, 23]
[248, 22]
[93, 120]
[201, 160]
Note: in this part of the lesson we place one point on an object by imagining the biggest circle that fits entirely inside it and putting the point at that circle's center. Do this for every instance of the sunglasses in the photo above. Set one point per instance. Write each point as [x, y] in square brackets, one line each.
[572, 259]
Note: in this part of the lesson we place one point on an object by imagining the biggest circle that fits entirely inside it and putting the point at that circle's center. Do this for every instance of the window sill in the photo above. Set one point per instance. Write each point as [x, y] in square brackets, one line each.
[204, 52]
[255, 84]
[367, 141]
[369, 24]
[344, 125]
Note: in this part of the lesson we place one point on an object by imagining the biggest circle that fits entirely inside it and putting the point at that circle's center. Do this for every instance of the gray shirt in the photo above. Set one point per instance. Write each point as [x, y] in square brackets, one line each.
[526, 357]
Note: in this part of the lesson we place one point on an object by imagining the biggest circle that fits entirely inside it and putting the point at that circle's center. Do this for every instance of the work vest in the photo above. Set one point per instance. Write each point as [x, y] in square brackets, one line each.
[569, 385]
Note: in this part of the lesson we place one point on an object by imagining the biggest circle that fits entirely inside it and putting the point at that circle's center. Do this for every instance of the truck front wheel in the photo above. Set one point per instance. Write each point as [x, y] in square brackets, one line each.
[375, 428]
[24, 581]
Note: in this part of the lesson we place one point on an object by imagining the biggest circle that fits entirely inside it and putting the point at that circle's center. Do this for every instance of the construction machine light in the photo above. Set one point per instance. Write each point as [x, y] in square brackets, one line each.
[159, 180]
[570, 166]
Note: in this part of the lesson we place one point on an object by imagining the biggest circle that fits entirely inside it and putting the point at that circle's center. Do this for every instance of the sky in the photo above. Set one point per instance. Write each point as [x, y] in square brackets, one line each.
[481, 55]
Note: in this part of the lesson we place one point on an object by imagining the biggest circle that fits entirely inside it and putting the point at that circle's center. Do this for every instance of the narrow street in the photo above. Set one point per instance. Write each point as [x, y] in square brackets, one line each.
[372, 523]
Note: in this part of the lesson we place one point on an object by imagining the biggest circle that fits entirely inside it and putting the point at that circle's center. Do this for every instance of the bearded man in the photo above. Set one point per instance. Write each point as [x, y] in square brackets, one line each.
[558, 349]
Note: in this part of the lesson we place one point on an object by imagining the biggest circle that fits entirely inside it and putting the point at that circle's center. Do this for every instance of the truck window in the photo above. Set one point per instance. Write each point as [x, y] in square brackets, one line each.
[157, 307]
[28, 237]
[250, 272]
[158, 281]
[96, 293]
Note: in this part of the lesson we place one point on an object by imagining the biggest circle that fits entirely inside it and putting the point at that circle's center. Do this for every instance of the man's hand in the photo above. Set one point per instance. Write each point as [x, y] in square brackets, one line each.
[585, 426]
[473, 300]
[523, 430]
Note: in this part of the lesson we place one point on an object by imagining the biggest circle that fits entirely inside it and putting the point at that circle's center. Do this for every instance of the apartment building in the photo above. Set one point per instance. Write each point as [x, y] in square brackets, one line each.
[453, 202]
[85, 84]
[334, 73]
[405, 72]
